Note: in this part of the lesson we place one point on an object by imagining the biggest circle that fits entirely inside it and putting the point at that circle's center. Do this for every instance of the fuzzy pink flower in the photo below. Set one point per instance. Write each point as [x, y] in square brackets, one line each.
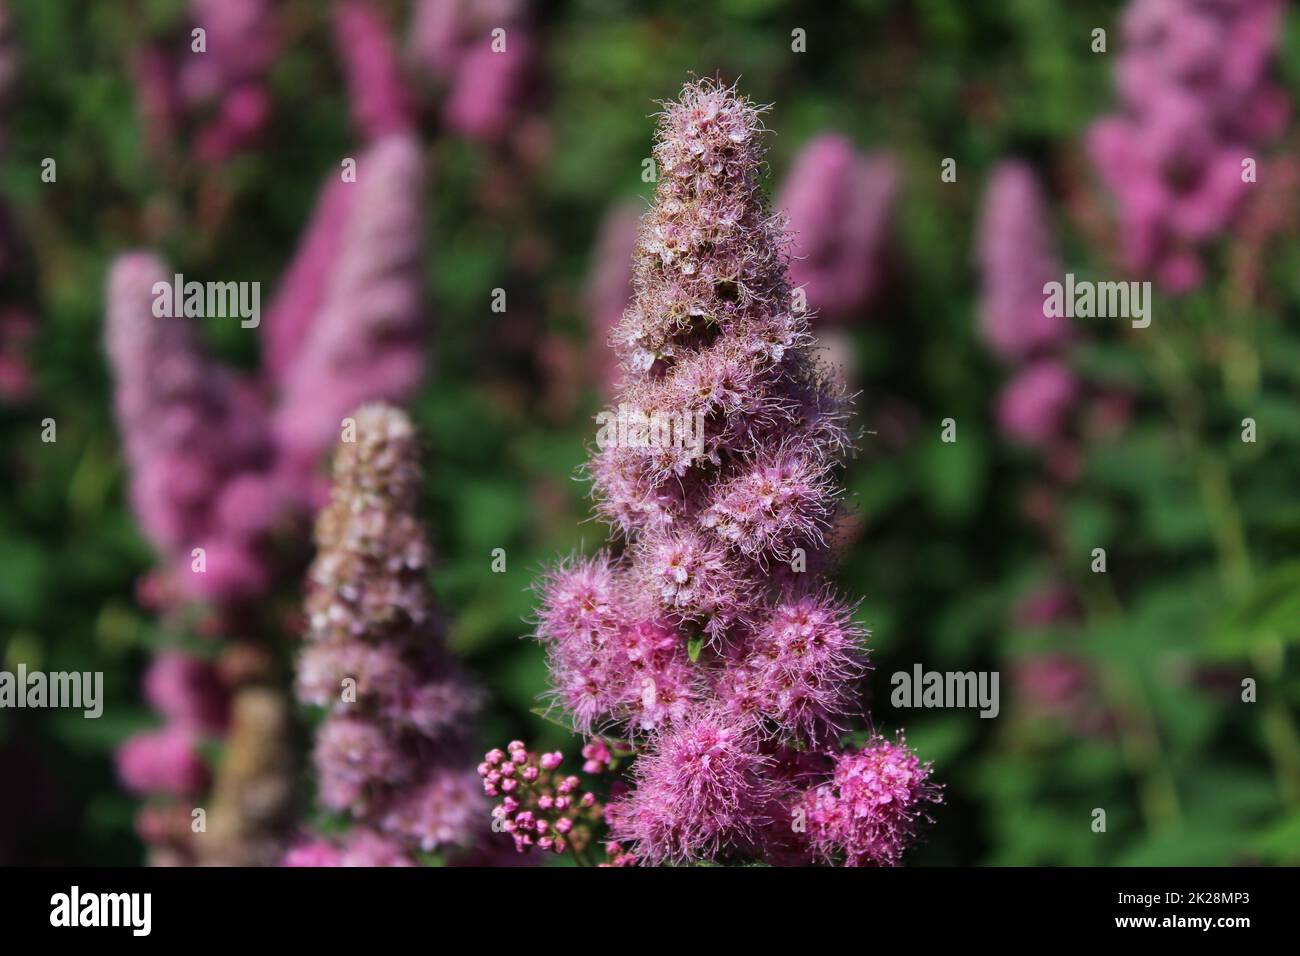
[802, 670]
[693, 576]
[390, 749]
[701, 789]
[609, 666]
[581, 603]
[779, 500]
[868, 813]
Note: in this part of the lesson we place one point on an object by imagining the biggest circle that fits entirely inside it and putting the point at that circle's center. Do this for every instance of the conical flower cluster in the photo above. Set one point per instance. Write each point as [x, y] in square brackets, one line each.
[706, 634]
[391, 751]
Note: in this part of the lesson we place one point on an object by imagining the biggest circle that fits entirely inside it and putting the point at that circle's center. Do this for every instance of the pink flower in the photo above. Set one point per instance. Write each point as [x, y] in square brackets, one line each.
[839, 204]
[596, 756]
[367, 340]
[380, 103]
[229, 76]
[355, 759]
[367, 848]
[481, 50]
[244, 113]
[487, 88]
[189, 428]
[163, 761]
[187, 691]
[779, 500]
[695, 639]
[1195, 101]
[693, 576]
[608, 666]
[702, 788]
[440, 812]
[540, 807]
[240, 44]
[1034, 407]
[1017, 258]
[315, 853]
[291, 315]
[868, 813]
[802, 670]
[391, 751]
[361, 847]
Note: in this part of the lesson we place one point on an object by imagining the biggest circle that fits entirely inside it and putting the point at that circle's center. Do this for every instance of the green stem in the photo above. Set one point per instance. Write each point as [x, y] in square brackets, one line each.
[1139, 734]
[1267, 656]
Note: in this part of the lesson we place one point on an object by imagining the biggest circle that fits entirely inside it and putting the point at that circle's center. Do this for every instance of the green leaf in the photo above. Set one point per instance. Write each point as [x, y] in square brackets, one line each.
[1271, 611]
[1280, 843]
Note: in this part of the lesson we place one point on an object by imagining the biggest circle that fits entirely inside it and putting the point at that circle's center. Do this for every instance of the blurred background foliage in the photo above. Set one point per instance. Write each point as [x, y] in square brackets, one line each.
[1201, 530]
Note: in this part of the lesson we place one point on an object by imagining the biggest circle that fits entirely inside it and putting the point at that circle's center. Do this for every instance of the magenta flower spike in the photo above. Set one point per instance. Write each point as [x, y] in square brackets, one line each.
[1195, 101]
[482, 53]
[190, 428]
[708, 637]
[366, 342]
[1017, 256]
[292, 314]
[392, 751]
[380, 101]
[839, 203]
